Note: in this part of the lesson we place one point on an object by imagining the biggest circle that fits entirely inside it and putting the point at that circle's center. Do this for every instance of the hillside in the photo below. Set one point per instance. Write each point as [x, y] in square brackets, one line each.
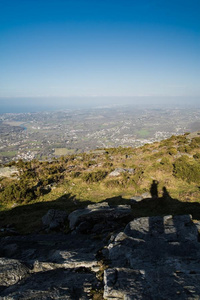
[172, 165]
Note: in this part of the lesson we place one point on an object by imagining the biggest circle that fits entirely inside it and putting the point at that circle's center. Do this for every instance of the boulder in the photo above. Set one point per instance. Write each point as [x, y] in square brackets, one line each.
[11, 271]
[136, 199]
[146, 195]
[54, 218]
[99, 213]
[118, 172]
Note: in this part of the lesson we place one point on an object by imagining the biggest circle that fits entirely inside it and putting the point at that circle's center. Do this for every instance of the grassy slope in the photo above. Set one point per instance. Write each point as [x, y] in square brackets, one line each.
[81, 179]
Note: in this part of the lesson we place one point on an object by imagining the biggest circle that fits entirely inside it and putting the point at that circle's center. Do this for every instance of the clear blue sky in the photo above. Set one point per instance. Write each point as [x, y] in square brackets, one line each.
[84, 48]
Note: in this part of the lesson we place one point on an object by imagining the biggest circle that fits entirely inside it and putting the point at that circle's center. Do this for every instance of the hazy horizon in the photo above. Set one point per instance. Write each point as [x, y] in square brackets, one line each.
[22, 105]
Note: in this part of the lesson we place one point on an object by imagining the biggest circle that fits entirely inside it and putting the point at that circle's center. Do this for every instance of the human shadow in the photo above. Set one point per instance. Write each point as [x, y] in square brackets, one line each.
[160, 251]
[161, 254]
[154, 189]
[165, 205]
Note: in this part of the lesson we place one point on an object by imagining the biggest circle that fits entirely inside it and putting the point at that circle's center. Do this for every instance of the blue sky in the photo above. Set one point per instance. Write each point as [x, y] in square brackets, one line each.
[97, 48]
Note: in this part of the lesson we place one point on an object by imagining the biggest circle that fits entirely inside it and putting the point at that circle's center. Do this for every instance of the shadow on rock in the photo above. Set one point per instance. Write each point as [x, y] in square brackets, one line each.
[165, 205]
[28, 218]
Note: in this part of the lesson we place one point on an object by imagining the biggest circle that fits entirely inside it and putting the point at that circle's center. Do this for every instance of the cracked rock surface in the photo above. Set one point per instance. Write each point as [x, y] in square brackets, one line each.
[54, 266]
[154, 258]
[148, 258]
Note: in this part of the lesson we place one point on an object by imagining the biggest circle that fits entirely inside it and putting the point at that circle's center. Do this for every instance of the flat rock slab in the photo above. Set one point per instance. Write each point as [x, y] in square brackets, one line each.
[55, 250]
[53, 284]
[54, 266]
[97, 213]
[154, 258]
[136, 199]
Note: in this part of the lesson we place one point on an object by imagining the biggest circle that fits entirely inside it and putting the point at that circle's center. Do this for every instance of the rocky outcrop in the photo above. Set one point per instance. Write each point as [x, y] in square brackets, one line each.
[154, 258]
[54, 284]
[53, 266]
[145, 258]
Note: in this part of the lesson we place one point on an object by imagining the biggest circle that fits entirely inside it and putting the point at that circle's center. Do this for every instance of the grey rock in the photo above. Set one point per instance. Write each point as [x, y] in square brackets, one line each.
[54, 284]
[54, 218]
[130, 170]
[47, 252]
[136, 199]
[119, 171]
[58, 266]
[151, 258]
[120, 237]
[9, 172]
[83, 227]
[146, 195]
[97, 213]
[151, 255]
[122, 283]
[97, 206]
[83, 257]
[11, 271]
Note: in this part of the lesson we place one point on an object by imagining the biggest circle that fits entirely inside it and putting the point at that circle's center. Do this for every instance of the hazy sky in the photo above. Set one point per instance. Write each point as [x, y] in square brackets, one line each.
[62, 48]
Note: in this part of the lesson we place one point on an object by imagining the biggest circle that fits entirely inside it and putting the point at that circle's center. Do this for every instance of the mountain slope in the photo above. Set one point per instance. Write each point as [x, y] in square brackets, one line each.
[173, 165]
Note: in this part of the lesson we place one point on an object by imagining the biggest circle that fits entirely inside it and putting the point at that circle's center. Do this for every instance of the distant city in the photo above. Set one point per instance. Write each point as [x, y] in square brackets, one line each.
[45, 135]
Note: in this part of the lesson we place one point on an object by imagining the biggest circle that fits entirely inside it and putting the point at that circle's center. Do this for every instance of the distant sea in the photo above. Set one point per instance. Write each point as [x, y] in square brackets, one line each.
[35, 106]
[25, 109]
[39, 105]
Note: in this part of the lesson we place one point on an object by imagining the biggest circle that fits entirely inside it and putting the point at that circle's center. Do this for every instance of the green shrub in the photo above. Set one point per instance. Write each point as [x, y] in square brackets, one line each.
[75, 174]
[89, 163]
[172, 151]
[166, 164]
[17, 192]
[91, 177]
[184, 148]
[113, 183]
[164, 161]
[107, 164]
[196, 155]
[195, 143]
[187, 170]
